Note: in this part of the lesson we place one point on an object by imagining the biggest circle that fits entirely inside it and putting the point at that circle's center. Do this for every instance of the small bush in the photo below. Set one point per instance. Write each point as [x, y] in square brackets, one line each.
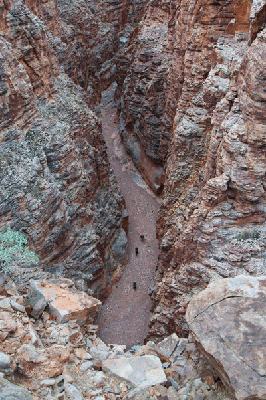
[13, 248]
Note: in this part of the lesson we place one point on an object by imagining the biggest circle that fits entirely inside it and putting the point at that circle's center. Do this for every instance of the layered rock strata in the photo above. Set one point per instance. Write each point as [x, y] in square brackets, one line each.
[88, 36]
[212, 221]
[55, 181]
[146, 109]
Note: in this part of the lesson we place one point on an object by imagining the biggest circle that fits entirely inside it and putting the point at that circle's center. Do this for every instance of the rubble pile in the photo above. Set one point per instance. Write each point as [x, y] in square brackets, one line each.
[45, 356]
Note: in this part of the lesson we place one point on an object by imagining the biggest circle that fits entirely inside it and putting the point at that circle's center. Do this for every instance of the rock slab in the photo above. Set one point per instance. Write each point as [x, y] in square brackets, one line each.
[140, 371]
[64, 302]
[228, 323]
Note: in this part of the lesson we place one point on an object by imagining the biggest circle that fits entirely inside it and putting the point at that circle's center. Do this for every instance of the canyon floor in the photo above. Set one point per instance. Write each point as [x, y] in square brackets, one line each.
[125, 315]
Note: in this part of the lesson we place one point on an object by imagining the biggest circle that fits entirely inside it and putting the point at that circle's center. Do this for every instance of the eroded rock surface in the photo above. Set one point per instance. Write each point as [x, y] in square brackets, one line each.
[56, 184]
[227, 321]
[212, 221]
[146, 113]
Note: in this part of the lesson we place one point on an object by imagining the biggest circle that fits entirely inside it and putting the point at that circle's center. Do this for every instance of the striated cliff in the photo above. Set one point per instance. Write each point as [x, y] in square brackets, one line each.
[147, 107]
[55, 180]
[212, 221]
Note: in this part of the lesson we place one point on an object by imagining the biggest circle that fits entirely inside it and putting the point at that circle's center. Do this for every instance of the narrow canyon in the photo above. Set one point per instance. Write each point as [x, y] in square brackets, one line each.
[125, 315]
[133, 166]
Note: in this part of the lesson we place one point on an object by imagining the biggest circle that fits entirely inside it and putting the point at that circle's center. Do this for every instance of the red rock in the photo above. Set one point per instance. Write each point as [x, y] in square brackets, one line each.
[64, 303]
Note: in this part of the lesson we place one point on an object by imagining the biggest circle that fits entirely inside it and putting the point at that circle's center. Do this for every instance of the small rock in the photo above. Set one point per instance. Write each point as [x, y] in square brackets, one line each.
[68, 378]
[5, 361]
[141, 371]
[82, 354]
[99, 377]
[167, 346]
[48, 382]
[73, 392]
[5, 304]
[85, 366]
[17, 307]
[161, 389]
[38, 308]
[173, 382]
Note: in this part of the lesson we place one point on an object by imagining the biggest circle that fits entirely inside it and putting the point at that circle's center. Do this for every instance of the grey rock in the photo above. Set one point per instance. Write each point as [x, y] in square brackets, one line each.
[17, 307]
[140, 371]
[119, 247]
[172, 393]
[174, 383]
[9, 391]
[73, 392]
[167, 346]
[5, 361]
[5, 304]
[48, 382]
[86, 365]
[39, 308]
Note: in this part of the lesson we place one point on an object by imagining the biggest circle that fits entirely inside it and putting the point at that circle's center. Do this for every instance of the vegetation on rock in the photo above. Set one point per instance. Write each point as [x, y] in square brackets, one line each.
[13, 248]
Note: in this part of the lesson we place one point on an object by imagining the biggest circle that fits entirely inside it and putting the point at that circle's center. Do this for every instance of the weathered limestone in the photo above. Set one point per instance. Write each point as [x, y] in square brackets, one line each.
[228, 324]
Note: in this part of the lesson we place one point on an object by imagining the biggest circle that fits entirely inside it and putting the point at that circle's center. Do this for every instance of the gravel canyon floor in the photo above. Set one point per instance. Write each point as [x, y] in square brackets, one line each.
[125, 315]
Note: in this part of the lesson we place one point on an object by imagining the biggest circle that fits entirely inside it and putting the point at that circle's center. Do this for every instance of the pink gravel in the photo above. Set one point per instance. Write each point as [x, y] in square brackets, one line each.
[125, 315]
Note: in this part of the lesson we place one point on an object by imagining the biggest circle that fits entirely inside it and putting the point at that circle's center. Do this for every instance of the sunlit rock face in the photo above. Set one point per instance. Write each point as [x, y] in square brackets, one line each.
[55, 180]
[212, 221]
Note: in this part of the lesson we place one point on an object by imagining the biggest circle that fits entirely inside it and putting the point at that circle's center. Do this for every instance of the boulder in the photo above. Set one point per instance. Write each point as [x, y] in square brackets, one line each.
[167, 346]
[42, 363]
[140, 371]
[228, 323]
[64, 302]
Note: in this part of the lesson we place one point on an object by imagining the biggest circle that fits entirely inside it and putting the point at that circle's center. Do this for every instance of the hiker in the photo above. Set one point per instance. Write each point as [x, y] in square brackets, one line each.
[134, 285]
[136, 250]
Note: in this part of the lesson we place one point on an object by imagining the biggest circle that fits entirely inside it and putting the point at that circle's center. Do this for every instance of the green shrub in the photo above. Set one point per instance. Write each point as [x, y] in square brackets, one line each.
[13, 248]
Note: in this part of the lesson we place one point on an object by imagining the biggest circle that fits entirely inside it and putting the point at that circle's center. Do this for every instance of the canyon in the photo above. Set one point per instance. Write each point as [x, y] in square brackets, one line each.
[181, 83]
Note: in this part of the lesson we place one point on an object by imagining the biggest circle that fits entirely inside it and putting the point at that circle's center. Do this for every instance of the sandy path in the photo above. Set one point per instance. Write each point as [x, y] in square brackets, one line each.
[125, 315]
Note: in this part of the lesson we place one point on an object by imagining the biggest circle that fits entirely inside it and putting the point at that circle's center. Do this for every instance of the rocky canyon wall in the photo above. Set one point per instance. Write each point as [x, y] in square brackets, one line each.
[148, 96]
[212, 221]
[55, 180]
[191, 94]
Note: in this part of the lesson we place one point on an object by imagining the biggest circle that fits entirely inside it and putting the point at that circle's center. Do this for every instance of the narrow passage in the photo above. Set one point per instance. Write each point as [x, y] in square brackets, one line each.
[125, 315]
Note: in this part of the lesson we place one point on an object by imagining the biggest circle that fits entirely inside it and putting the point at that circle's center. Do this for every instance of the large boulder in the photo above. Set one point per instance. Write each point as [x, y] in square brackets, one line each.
[64, 302]
[228, 323]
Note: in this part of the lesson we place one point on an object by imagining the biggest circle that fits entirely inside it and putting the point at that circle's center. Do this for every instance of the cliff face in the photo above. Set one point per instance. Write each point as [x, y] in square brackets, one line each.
[55, 179]
[146, 111]
[88, 37]
[212, 221]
